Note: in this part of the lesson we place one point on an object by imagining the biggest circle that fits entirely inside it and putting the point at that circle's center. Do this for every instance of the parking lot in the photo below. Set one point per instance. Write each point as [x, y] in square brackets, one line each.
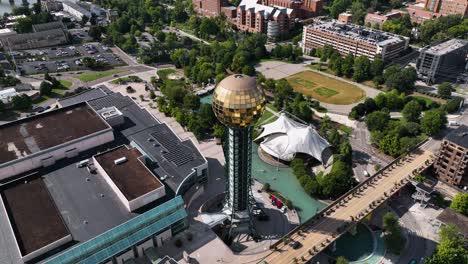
[65, 58]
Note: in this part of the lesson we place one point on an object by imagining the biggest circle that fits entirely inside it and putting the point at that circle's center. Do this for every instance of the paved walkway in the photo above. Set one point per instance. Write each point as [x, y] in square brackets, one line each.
[318, 235]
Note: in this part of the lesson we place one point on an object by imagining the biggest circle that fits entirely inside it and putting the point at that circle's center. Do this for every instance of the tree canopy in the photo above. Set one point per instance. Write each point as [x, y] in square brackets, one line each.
[460, 203]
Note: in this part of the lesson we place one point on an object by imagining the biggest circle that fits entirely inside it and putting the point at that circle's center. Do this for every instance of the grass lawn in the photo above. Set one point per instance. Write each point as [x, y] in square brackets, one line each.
[127, 79]
[326, 92]
[164, 73]
[305, 83]
[348, 130]
[326, 89]
[65, 83]
[89, 77]
[267, 115]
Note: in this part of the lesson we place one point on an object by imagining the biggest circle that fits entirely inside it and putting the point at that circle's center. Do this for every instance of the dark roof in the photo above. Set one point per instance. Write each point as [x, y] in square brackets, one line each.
[40, 132]
[48, 26]
[424, 188]
[136, 119]
[132, 177]
[79, 200]
[449, 216]
[82, 97]
[175, 158]
[459, 136]
[33, 215]
[36, 36]
[180, 157]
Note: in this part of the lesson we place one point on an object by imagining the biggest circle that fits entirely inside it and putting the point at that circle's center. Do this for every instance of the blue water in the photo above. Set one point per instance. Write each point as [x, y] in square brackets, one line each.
[206, 99]
[284, 181]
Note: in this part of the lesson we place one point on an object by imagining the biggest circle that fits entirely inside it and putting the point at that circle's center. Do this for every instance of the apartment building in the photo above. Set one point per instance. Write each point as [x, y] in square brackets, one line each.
[302, 8]
[209, 8]
[257, 18]
[448, 7]
[354, 39]
[442, 61]
[451, 165]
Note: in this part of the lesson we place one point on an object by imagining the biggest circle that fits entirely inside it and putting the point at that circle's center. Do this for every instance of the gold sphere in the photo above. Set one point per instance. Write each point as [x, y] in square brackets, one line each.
[238, 102]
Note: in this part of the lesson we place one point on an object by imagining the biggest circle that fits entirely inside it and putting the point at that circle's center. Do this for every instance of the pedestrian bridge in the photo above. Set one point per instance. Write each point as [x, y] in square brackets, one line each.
[329, 224]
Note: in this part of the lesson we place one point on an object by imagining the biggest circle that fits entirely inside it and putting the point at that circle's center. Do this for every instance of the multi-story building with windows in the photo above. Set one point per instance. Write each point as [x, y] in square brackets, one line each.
[442, 61]
[302, 8]
[451, 165]
[257, 18]
[448, 7]
[354, 39]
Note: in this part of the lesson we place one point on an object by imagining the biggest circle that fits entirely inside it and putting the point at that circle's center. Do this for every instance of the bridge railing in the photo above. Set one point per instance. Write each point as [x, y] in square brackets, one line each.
[350, 193]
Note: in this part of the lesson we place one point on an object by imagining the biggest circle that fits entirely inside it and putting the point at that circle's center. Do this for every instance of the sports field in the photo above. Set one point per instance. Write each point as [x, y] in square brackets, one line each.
[325, 89]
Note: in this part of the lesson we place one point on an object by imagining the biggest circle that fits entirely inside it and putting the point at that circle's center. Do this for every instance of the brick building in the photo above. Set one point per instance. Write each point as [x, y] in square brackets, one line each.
[447, 7]
[345, 18]
[451, 165]
[209, 8]
[379, 19]
[258, 18]
[303, 9]
[354, 39]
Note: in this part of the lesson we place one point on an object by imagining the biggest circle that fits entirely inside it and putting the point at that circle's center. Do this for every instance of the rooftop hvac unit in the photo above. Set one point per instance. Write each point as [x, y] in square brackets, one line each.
[120, 161]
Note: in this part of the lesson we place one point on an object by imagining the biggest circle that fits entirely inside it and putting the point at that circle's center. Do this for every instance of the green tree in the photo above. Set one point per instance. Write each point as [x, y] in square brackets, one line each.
[450, 248]
[23, 25]
[377, 120]
[45, 88]
[445, 89]
[361, 69]
[21, 102]
[433, 121]
[390, 144]
[412, 111]
[377, 67]
[347, 65]
[394, 239]
[341, 260]
[191, 101]
[339, 6]
[218, 130]
[460, 203]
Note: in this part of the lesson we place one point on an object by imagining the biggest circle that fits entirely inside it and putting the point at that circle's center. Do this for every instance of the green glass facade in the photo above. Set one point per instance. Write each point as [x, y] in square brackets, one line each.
[238, 164]
[170, 215]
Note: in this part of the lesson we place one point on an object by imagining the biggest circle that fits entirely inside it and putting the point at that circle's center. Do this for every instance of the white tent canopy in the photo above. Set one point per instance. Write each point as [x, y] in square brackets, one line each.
[284, 138]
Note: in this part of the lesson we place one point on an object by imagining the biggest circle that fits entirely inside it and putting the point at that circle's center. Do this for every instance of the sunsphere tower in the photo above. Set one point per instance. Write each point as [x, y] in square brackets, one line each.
[238, 103]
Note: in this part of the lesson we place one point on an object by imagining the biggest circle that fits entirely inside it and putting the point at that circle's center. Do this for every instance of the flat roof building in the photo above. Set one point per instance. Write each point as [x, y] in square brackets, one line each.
[354, 39]
[443, 61]
[104, 195]
[136, 235]
[451, 165]
[41, 140]
[75, 10]
[34, 219]
[125, 171]
[43, 35]
[179, 164]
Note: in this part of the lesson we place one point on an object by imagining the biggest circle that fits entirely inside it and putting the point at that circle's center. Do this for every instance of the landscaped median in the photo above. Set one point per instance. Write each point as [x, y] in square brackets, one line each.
[326, 89]
[89, 77]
